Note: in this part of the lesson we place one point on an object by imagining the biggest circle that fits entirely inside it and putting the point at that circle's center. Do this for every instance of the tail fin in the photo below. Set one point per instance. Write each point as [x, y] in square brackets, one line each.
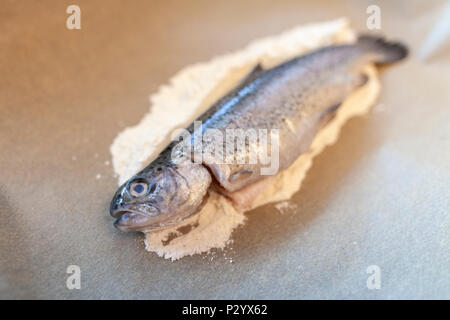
[385, 52]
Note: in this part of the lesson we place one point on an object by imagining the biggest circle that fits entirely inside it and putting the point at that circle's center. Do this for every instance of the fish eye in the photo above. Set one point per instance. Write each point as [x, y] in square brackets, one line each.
[138, 188]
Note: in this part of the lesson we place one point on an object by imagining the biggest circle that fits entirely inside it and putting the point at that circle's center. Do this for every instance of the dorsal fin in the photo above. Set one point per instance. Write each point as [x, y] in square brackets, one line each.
[253, 74]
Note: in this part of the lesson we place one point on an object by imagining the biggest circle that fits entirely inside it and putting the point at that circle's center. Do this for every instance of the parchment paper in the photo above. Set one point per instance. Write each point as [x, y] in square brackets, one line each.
[380, 196]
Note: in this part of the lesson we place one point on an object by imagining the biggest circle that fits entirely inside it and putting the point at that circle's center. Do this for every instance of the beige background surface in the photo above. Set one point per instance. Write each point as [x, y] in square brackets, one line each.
[380, 196]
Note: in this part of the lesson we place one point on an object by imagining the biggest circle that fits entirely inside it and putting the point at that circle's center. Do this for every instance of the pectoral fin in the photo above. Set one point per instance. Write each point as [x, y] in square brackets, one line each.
[328, 115]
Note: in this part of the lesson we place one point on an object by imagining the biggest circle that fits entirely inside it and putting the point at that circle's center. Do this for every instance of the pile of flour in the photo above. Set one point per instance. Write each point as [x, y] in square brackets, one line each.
[190, 92]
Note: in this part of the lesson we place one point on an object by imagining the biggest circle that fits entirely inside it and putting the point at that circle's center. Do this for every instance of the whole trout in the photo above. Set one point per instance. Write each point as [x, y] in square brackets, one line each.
[297, 98]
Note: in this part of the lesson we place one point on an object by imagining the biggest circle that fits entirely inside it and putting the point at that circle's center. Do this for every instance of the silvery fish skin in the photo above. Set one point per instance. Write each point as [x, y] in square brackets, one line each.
[297, 97]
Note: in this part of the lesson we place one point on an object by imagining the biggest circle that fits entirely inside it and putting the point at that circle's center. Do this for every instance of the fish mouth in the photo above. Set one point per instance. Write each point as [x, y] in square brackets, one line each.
[119, 213]
[130, 220]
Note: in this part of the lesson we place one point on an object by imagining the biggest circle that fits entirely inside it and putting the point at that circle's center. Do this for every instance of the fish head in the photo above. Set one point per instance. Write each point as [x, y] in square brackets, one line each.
[160, 196]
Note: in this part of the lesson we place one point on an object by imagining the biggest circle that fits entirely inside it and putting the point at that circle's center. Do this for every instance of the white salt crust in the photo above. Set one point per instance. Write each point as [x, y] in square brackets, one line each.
[191, 91]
